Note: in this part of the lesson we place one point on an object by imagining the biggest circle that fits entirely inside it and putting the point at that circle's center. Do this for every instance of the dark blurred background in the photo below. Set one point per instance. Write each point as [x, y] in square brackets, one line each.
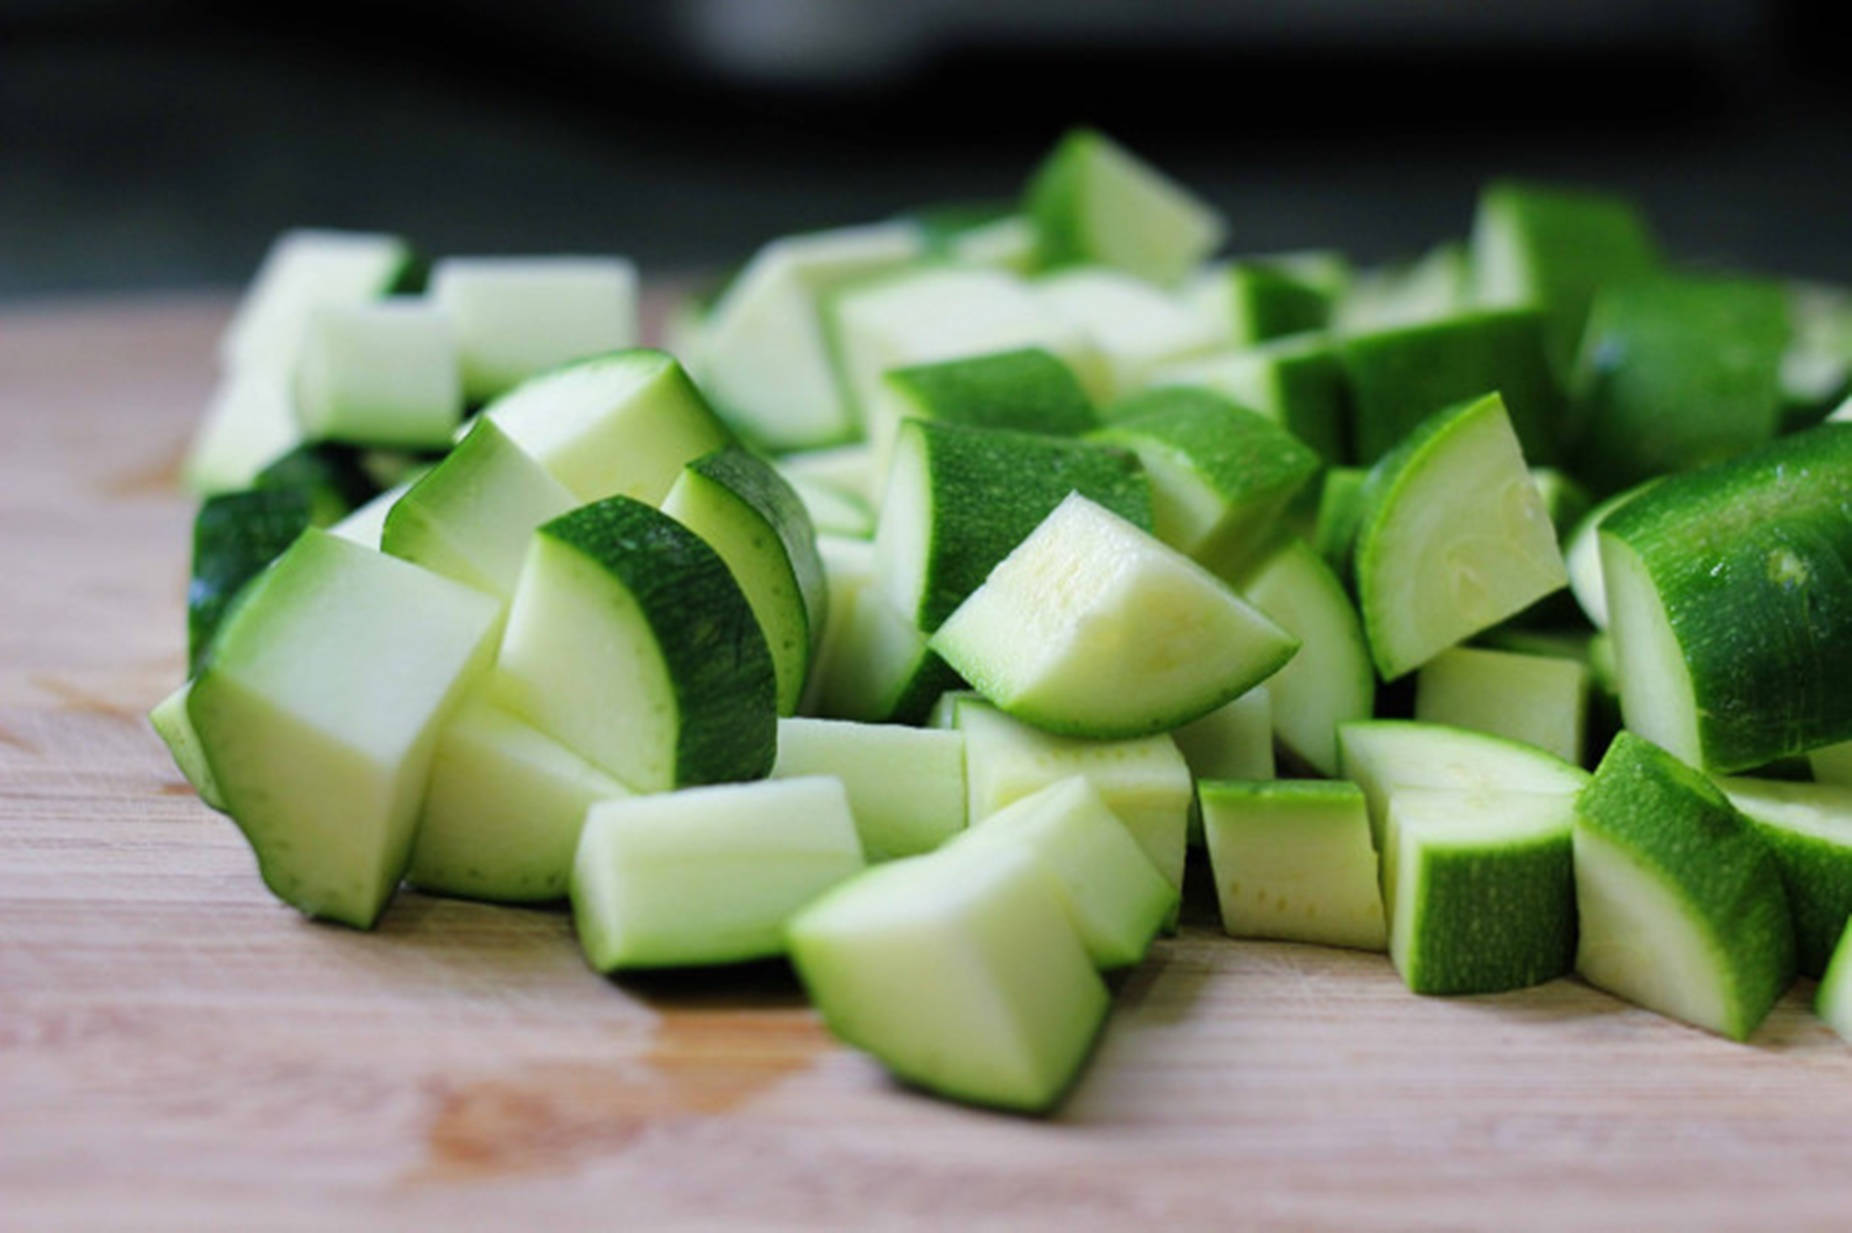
[161, 144]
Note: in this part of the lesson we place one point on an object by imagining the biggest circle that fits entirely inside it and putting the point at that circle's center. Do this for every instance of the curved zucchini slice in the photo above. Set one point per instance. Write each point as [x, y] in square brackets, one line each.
[1681, 905]
[1093, 201]
[629, 642]
[749, 515]
[622, 424]
[961, 499]
[472, 516]
[1093, 628]
[1454, 537]
[1330, 680]
[1730, 595]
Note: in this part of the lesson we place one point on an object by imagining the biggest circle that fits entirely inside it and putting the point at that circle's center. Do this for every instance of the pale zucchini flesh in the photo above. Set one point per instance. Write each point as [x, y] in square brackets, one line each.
[318, 710]
[518, 317]
[707, 875]
[623, 424]
[906, 785]
[1453, 539]
[1115, 897]
[960, 972]
[1093, 628]
[1682, 908]
[1292, 860]
[502, 809]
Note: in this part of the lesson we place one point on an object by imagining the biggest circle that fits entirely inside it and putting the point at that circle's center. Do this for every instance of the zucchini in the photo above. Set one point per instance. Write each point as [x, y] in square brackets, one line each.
[1295, 381]
[249, 421]
[960, 971]
[1554, 247]
[1093, 628]
[472, 517]
[319, 707]
[517, 317]
[1434, 286]
[1384, 755]
[333, 478]
[927, 313]
[906, 785]
[1145, 782]
[1453, 539]
[881, 669]
[1117, 900]
[1234, 741]
[1340, 510]
[172, 724]
[1401, 376]
[1094, 202]
[1731, 604]
[623, 424]
[1136, 326]
[1329, 681]
[1481, 888]
[849, 469]
[1681, 905]
[1807, 827]
[848, 568]
[305, 270]
[1292, 860]
[1221, 475]
[764, 358]
[1582, 556]
[1028, 390]
[366, 525]
[1257, 299]
[629, 642]
[1833, 1000]
[961, 499]
[235, 535]
[502, 809]
[707, 875]
[833, 511]
[1541, 700]
[379, 374]
[749, 515]
[1676, 372]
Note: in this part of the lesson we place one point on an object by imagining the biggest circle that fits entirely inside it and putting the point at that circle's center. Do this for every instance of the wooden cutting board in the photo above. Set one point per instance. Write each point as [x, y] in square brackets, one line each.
[178, 1051]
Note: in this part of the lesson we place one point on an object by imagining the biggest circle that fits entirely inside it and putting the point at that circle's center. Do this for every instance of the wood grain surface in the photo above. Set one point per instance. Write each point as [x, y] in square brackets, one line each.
[178, 1051]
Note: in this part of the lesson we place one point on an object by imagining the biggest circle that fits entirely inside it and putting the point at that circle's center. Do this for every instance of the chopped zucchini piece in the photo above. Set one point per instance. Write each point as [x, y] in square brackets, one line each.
[707, 875]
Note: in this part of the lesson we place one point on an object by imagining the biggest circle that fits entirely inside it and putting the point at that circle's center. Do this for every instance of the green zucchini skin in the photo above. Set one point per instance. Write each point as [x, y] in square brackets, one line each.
[770, 495]
[1808, 829]
[718, 663]
[1027, 389]
[1676, 373]
[990, 488]
[1673, 821]
[1752, 561]
[333, 478]
[1555, 246]
[1402, 375]
[235, 535]
[1494, 918]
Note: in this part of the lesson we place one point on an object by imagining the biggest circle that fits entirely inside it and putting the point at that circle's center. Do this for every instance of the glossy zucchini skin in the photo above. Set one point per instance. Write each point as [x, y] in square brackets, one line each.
[1751, 563]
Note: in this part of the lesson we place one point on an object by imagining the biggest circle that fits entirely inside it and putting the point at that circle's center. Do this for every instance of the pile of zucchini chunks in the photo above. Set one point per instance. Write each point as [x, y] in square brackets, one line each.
[947, 585]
